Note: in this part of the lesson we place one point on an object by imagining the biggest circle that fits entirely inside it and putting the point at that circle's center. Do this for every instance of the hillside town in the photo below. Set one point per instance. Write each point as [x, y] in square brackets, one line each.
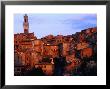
[70, 55]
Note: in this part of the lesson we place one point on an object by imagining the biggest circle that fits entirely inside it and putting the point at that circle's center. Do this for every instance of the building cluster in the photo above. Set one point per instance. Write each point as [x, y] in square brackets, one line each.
[30, 52]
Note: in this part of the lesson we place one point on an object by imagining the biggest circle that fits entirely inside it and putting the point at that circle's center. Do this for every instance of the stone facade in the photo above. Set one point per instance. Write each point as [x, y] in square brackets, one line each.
[50, 51]
[31, 52]
[47, 68]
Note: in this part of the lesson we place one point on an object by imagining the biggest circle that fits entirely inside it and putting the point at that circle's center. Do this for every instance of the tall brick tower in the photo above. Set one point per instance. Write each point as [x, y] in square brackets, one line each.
[26, 24]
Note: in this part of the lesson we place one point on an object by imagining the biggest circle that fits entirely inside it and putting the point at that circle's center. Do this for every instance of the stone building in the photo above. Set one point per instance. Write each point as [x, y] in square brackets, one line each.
[47, 68]
[30, 52]
[66, 48]
[82, 45]
[38, 46]
[50, 50]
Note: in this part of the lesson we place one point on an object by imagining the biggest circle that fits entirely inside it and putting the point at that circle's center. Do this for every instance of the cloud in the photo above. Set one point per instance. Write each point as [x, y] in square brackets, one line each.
[44, 24]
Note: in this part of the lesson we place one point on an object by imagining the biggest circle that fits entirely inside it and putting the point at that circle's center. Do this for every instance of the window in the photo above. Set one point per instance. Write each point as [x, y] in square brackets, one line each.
[44, 66]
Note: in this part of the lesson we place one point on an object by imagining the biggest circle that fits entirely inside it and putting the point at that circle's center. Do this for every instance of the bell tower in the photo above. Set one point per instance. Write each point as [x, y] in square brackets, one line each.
[26, 24]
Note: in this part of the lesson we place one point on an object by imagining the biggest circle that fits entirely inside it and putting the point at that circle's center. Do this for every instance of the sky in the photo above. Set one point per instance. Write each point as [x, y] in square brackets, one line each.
[55, 24]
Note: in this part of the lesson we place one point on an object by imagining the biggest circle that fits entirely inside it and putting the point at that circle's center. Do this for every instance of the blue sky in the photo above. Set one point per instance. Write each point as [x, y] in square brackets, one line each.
[64, 24]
